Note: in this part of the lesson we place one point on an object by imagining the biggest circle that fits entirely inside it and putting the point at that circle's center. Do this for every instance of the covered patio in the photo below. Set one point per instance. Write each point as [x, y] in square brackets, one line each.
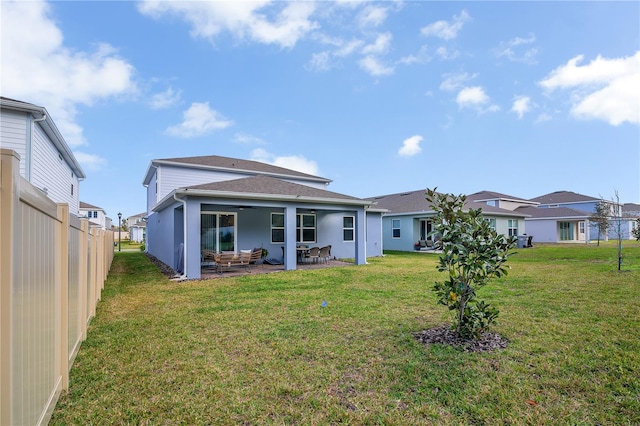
[264, 268]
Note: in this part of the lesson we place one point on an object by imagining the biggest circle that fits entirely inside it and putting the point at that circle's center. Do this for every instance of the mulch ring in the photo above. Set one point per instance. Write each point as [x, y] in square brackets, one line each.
[444, 335]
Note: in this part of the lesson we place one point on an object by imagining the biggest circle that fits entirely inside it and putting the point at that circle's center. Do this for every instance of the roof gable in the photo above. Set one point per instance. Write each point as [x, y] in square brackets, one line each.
[267, 185]
[560, 197]
[233, 165]
[416, 202]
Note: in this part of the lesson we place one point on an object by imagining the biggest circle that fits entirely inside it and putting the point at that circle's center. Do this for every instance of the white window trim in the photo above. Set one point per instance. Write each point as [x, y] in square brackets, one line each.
[399, 227]
[353, 229]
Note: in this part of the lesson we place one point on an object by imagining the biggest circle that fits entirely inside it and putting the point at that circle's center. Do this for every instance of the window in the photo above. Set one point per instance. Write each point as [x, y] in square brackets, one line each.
[512, 226]
[305, 228]
[566, 231]
[95, 214]
[348, 228]
[395, 228]
[492, 223]
[217, 231]
[581, 227]
[277, 228]
[72, 190]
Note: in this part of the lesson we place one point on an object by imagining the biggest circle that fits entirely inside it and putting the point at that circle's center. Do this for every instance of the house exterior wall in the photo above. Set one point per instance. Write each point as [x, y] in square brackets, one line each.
[152, 195]
[587, 206]
[14, 134]
[375, 246]
[408, 233]
[40, 162]
[161, 237]
[543, 231]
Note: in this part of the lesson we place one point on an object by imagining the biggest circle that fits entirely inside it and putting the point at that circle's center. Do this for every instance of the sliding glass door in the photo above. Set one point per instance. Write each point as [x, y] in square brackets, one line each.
[218, 231]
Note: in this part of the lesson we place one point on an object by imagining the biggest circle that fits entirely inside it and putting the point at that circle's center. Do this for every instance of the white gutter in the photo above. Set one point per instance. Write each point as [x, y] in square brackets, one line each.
[184, 231]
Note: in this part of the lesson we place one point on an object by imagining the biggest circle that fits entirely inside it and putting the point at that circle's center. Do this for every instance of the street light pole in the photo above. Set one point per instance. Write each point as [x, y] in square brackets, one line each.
[119, 231]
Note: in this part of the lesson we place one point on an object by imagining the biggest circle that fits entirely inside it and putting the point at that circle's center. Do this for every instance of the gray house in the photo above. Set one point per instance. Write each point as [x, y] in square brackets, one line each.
[564, 216]
[227, 204]
[409, 217]
[45, 158]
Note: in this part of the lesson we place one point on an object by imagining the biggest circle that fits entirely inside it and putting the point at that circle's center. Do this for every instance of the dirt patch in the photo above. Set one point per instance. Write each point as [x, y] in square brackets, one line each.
[444, 335]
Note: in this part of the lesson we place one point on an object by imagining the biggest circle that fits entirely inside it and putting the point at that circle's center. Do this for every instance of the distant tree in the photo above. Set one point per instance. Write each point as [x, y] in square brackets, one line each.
[616, 221]
[124, 225]
[472, 254]
[601, 218]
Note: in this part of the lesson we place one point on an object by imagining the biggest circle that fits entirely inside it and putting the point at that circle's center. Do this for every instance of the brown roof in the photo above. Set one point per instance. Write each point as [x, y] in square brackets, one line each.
[84, 205]
[490, 195]
[553, 212]
[415, 202]
[228, 163]
[560, 197]
[267, 185]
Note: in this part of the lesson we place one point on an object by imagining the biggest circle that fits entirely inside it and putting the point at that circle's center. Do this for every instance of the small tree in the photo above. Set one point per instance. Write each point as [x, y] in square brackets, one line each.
[601, 218]
[472, 254]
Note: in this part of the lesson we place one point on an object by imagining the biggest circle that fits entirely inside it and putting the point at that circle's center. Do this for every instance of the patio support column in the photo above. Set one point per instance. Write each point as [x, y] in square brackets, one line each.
[290, 255]
[361, 254]
[192, 239]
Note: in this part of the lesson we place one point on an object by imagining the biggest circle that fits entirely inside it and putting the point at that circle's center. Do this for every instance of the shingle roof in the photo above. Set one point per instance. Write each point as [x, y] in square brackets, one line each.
[552, 212]
[84, 205]
[490, 195]
[415, 202]
[270, 186]
[560, 197]
[240, 165]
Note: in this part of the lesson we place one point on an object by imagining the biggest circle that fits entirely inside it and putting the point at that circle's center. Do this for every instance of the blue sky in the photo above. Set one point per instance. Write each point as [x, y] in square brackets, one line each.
[523, 98]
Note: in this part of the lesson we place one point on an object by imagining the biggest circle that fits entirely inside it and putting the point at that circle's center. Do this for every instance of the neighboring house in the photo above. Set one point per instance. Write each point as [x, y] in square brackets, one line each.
[228, 204]
[409, 217]
[96, 215]
[558, 224]
[45, 158]
[137, 227]
[569, 218]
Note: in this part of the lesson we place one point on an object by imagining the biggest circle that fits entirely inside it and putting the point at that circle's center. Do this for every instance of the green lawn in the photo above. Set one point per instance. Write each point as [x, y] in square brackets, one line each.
[262, 349]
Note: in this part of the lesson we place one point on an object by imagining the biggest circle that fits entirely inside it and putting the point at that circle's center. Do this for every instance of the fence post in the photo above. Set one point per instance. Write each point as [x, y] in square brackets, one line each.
[9, 174]
[63, 264]
[84, 281]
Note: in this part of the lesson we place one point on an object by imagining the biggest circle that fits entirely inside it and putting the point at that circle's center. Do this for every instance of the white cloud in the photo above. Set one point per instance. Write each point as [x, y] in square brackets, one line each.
[543, 117]
[380, 46]
[410, 146]
[320, 61]
[165, 99]
[373, 66]
[511, 50]
[372, 16]
[475, 98]
[446, 30]
[38, 68]
[453, 82]
[605, 89]
[260, 21]
[90, 161]
[198, 120]
[446, 54]
[420, 58]
[246, 139]
[521, 105]
[293, 162]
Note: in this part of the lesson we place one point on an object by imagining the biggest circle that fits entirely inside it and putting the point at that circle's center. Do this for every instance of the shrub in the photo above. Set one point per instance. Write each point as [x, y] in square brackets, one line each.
[472, 254]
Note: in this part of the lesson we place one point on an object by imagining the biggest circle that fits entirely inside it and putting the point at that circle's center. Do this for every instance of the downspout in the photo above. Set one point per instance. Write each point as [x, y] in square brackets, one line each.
[184, 231]
[27, 163]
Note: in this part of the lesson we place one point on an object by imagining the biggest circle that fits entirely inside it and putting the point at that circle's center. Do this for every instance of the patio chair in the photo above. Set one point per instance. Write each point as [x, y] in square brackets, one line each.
[325, 253]
[314, 254]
